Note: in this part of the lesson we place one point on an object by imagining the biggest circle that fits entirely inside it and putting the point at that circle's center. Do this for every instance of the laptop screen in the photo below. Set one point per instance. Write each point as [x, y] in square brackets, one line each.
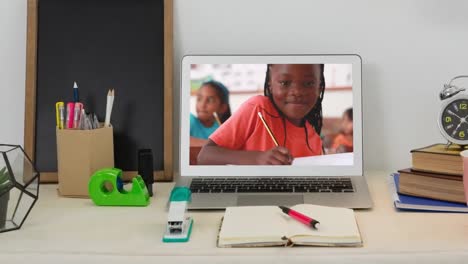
[290, 115]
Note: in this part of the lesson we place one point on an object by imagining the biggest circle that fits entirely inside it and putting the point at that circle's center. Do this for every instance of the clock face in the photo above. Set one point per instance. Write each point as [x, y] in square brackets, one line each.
[454, 120]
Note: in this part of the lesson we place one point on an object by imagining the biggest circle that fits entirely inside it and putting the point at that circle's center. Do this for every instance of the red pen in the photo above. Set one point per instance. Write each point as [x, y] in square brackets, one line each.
[300, 217]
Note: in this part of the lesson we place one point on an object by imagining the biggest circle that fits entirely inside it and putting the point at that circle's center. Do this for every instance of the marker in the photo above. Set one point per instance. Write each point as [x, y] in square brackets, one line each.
[60, 115]
[300, 217]
[77, 114]
[268, 129]
[70, 114]
[76, 97]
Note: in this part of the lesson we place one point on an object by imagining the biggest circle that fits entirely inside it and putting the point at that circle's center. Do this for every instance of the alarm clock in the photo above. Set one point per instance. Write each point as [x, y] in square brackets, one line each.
[453, 117]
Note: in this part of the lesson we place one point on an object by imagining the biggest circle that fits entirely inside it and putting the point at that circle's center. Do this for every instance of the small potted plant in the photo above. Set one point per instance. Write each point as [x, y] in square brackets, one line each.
[5, 185]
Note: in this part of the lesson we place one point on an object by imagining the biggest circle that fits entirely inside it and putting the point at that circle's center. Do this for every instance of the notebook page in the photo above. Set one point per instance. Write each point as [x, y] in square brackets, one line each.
[252, 224]
[337, 225]
[345, 159]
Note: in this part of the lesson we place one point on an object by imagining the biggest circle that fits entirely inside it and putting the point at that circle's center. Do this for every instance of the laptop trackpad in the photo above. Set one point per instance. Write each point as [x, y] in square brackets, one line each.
[254, 199]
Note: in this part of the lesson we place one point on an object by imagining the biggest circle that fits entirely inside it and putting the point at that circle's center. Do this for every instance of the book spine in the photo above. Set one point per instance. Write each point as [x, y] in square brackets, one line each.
[393, 188]
[454, 172]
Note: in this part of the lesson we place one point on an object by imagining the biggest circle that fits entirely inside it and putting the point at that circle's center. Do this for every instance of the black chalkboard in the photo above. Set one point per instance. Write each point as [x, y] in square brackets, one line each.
[102, 44]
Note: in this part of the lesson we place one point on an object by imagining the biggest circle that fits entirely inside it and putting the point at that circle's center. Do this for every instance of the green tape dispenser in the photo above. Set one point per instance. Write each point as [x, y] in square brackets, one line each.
[106, 188]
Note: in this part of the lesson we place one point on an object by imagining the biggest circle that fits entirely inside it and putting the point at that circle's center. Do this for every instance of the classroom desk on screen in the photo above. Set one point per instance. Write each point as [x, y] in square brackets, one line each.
[66, 230]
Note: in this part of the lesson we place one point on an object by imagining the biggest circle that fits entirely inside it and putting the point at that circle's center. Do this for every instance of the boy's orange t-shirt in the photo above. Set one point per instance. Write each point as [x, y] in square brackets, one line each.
[341, 140]
[245, 131]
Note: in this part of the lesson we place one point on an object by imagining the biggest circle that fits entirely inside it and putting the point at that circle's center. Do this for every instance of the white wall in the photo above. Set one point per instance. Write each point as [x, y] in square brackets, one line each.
[12, 70]
[409, 49]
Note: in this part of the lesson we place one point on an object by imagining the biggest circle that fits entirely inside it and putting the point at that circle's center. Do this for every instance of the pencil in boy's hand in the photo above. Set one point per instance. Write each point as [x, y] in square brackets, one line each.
[268, 129]
[217, 118]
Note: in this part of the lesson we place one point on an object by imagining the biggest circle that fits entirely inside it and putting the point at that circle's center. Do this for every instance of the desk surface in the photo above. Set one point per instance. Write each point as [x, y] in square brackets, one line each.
[75, 230]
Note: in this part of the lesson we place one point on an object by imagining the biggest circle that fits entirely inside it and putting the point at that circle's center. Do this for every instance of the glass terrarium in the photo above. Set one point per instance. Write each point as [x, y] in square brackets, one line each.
[19, 187]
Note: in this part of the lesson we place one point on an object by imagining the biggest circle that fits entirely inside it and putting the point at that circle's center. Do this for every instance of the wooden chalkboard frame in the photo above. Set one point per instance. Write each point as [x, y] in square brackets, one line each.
[30, 92]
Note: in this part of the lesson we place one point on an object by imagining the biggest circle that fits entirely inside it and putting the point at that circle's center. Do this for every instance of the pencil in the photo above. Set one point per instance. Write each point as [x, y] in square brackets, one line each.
[217, 118]
[109, 103]
[268, 129]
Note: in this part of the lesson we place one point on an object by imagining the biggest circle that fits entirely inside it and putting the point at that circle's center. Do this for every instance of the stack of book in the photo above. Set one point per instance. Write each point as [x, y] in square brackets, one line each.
[436, 173]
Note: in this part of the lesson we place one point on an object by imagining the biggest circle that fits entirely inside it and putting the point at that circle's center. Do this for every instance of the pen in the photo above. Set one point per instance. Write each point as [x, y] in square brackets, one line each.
[60, 115]
[268, 129]
[95, 121]
[300, 217]
[70, 114]
[83, 124]
[89, 123]
[81, 121]
[217, 118]
[76, 97]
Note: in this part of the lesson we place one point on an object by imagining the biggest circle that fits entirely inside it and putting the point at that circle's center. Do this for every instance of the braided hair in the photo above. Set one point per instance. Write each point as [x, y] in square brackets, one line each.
[223, 94]
[314, 117]
[349, 113]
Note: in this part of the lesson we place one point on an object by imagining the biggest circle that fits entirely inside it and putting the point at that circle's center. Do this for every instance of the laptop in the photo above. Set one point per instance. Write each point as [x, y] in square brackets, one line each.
[272, 130]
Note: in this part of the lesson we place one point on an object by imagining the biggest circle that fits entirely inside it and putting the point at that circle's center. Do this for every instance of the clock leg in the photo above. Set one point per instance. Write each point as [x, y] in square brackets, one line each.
[448, 144]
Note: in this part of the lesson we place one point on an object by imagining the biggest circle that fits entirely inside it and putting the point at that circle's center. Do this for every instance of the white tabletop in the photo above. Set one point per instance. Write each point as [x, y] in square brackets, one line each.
[67, 230]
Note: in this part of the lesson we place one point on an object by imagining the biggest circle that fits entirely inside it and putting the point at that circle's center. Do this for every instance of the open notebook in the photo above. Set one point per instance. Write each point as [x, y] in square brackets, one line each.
[255, 226]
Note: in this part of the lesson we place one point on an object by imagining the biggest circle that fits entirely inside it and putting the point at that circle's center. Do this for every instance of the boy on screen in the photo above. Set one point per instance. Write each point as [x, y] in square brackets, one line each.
[343, 142]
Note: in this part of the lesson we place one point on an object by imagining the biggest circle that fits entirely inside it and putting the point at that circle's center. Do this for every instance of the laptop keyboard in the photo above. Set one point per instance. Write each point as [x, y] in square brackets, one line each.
[270, 185]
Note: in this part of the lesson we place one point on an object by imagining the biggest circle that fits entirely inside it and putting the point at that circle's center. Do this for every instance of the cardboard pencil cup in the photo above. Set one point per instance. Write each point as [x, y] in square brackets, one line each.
[80, 153]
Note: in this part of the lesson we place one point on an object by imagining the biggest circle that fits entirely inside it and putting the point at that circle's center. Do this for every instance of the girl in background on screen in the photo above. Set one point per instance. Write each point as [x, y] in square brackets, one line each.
[292, 108]
[343, 142]
[212, 110]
